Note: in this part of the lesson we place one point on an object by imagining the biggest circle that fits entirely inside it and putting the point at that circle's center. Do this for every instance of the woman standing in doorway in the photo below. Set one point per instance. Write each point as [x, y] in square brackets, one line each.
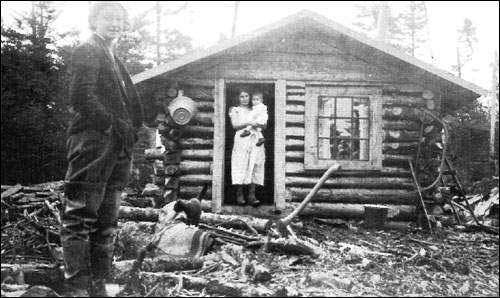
[247, 159]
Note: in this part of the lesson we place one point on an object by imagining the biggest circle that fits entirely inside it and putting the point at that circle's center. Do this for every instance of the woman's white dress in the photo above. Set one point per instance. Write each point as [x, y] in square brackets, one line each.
[247, 160]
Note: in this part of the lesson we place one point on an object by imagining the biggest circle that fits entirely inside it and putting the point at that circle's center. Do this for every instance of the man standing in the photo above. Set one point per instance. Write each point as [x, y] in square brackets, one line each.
[108, 115]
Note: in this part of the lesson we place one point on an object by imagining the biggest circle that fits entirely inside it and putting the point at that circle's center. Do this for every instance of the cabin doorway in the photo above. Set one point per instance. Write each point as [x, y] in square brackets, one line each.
[263, 193]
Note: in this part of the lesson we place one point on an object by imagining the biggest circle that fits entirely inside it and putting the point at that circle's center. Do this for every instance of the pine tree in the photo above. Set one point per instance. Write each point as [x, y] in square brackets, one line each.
[33, 109]
[413, 25]
[465, 46]
[367, 20]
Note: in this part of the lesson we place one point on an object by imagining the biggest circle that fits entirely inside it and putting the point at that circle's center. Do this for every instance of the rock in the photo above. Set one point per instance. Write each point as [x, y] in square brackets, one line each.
[324, 278]
[259, 273]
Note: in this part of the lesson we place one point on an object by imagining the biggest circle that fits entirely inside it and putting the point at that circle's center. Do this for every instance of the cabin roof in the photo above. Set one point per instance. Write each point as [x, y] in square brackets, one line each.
[309, 17]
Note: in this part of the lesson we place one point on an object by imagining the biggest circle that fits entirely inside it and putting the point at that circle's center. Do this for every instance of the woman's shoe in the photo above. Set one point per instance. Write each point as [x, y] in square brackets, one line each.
[252, 200]
[240, 200]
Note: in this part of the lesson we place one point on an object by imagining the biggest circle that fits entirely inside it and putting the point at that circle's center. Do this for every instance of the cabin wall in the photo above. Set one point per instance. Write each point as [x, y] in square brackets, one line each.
[391, 185]
[197, 142]
[297, 67]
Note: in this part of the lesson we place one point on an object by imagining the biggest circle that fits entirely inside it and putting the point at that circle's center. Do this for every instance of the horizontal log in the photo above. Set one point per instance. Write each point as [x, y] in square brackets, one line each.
[188, 192]
[195, 179]
[294, 156]
[190, 83]
[199, 93]
[401, 135]
[394, 160]
[138, 214]
[295, 131]
[349, 211]
[401, 113]
[352, 182]
[296, 98]
[197, 154]
[359, 196]
[205, 106]
[294, 91]
[294, 144]
[401, 100]
[142, 202]
[203, 119]
[401, 125]
[197, 143]
[294, 119]
[198, 131]
[405, 148]
[35, 274]
[295, 84]
[195, 167]
[295, 109]
[297, 169]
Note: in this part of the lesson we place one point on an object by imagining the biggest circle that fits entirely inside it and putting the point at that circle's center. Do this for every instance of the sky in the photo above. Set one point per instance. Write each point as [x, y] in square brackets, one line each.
[205, 21]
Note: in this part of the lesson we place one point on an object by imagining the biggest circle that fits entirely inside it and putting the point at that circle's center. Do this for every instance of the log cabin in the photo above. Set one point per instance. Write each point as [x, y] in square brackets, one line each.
[333, 96]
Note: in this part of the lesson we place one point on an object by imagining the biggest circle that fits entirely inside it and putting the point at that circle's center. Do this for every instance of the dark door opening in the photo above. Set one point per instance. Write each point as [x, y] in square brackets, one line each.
[263, 193]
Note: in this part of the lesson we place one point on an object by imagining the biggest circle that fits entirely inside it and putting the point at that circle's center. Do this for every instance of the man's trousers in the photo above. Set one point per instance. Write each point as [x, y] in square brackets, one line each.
[98, 170]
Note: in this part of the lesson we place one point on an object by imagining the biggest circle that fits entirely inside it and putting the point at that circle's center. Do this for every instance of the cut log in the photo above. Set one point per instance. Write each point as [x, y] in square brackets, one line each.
[189, 192]
[295, 131]
[35, 274]
[361, 196]
[353, 182]
[401, 125]
[138, 214]
[295, 84]
[295, 91]
[121, 269]
[401, 100]
[233, 220]
[349, 211]
[197, 143]
[10, 191]
[297, 169]
[203, 118]
[400, 148]
[198, 131]
[296, 98]
[294, 156]
[295, 109]
[195, 167]
[197, 154]
[401, 136]
[401, 113]
[294, 119]
[294, 144]
[194, 179]
[213, 287]
[205, 106]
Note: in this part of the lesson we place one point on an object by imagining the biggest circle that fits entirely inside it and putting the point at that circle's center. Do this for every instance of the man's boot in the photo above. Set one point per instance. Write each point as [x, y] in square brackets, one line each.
[101, 263]
[76, 268]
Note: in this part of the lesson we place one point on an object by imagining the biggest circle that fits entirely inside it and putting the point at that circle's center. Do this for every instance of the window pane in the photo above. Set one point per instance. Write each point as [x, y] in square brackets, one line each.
[326, 106]
[344, 129]
[364, 150]
[325, 127]
[344, 107]
[360, 108]
[342, 149]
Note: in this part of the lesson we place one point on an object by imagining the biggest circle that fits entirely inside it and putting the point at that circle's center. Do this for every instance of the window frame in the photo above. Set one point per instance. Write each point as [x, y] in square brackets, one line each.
[311, 154]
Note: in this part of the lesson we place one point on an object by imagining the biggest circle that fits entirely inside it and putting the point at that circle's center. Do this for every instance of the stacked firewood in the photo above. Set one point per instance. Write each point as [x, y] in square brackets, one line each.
[30, 222]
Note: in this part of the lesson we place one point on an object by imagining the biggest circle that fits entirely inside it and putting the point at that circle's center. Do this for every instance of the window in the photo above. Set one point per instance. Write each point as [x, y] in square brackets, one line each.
[343, 126]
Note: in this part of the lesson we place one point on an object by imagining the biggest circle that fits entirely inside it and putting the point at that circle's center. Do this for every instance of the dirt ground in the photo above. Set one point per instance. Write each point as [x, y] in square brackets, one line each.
[361, 262]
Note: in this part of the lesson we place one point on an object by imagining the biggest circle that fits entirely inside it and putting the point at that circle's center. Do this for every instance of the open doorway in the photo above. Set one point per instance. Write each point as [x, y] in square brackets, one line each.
[263, 193]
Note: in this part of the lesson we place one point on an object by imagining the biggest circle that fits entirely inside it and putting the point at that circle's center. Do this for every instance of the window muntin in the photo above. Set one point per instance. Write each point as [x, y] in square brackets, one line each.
[343, 128]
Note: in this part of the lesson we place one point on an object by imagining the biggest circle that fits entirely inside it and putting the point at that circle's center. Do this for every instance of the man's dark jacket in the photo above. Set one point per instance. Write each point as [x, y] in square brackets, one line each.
[102, 93]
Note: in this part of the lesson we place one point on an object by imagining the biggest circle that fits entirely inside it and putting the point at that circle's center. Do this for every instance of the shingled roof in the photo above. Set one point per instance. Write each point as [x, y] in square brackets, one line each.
[296, 20]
